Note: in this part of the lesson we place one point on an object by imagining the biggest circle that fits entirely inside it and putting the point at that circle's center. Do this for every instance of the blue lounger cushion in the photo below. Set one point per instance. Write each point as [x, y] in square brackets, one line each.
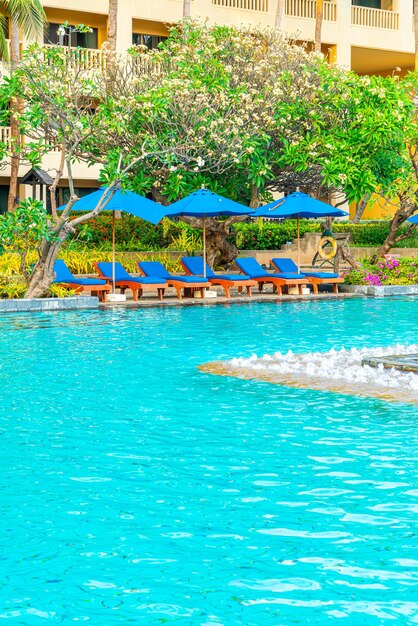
[290, 276]
[252, 267]
[121, 275]
[321, 275]
[194, 265]
[63, 275]
[287, 265]
[155, 269]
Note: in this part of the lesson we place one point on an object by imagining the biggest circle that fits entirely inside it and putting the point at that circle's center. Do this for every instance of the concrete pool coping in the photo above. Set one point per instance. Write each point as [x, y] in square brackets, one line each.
[32, 305]
[381, 290]
[92, 302]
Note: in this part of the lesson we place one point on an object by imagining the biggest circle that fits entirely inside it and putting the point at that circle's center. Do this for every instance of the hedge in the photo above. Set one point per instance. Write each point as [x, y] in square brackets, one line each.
[272, 235]
[133, 234]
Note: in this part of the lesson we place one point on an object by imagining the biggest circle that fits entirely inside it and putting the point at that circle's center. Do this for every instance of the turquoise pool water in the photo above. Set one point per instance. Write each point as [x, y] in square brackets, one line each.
[137, 490]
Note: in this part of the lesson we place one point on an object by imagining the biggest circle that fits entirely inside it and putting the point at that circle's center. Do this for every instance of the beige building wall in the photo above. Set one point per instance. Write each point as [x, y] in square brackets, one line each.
[366, 40]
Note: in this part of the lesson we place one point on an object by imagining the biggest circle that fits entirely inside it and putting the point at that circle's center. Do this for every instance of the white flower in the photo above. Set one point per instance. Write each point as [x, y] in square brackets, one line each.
[200, 162]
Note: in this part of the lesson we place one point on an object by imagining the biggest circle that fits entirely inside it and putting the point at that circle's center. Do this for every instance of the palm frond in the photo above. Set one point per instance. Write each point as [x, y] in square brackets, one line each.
[28, 13]
[4, 47]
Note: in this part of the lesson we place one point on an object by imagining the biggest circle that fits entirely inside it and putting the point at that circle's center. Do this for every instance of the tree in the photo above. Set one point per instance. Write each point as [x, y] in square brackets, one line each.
[111, 121]
[253, 114]
[318, 24]
[186, 9]
[28, 17]
[415, 8]
[112, 25]
[303, 123]
[279, 13]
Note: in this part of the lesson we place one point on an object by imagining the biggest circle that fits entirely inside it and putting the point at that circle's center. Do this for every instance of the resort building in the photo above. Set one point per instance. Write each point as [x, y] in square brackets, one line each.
[368, 36]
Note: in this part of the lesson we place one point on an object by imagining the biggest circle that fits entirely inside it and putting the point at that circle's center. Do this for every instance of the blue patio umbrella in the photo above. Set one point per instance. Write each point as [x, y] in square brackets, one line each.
[297, 205]
[204, 203]
[413, 219]
[120, 200]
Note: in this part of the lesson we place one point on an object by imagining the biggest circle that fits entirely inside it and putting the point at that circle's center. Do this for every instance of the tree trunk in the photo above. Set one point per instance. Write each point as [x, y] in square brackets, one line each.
[219, 249]
[360, 208]
[344, 253]
[186, 9]
[318, 24]
[398, 219]
[279, 13]
[112, 25]
[42, 276]
[15, 106]
[416, 32]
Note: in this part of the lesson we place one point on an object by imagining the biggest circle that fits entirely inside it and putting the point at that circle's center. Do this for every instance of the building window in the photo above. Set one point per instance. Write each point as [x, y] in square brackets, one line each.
[150, 41]
[4, 194]
[370, 4]
[77, 40]
[63, 195]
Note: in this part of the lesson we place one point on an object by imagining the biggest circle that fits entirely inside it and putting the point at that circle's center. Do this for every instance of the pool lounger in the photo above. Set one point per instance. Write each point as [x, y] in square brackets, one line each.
[193, 265]
[187, 284]
[251, 267]
[64, 277]
[315, 278]
[124, 280]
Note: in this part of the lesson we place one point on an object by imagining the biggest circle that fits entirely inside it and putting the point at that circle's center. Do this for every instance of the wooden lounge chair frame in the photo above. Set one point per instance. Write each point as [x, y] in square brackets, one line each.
[262, 277]
[178, 285]
[279, 283]
[316, 280]
[227, 284]
[136, 288]
[95, 290]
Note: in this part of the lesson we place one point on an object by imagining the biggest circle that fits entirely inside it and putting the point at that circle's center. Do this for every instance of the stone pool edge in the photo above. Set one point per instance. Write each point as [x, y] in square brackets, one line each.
[31, 305]
[381, 290]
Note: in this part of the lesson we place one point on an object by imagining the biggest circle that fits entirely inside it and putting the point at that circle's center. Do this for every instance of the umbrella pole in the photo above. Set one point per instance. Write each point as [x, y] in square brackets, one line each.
[298, 244]
[204, 247]
[113, 251]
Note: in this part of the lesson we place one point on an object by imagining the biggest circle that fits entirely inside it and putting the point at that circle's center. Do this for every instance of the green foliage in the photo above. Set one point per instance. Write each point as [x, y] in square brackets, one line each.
[136, 235]
[388, 271]
[272, 235]
[28, 14]
[10, 263]
[78, 28]
[26, 226]
[233, 109]
[12, 287]
[82, 261]
[24, 230]
[58, 291]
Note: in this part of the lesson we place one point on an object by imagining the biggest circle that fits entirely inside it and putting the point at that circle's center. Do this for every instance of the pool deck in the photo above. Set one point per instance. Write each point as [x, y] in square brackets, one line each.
[171, 300]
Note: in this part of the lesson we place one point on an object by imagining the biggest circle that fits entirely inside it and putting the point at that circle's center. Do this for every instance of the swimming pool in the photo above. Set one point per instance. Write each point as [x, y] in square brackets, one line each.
[137, 489]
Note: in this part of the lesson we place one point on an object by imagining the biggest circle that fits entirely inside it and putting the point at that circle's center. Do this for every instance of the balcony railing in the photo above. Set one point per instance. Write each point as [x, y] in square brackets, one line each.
[375, 18]
[5, 134]
[85, 58]
[307, 9]
[261, 6]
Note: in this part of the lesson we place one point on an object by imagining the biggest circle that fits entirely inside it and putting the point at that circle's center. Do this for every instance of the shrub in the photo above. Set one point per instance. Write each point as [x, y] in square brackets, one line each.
[133, 234]
[81, 261]
[272, 235]
[12, 287]
[389, 271]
